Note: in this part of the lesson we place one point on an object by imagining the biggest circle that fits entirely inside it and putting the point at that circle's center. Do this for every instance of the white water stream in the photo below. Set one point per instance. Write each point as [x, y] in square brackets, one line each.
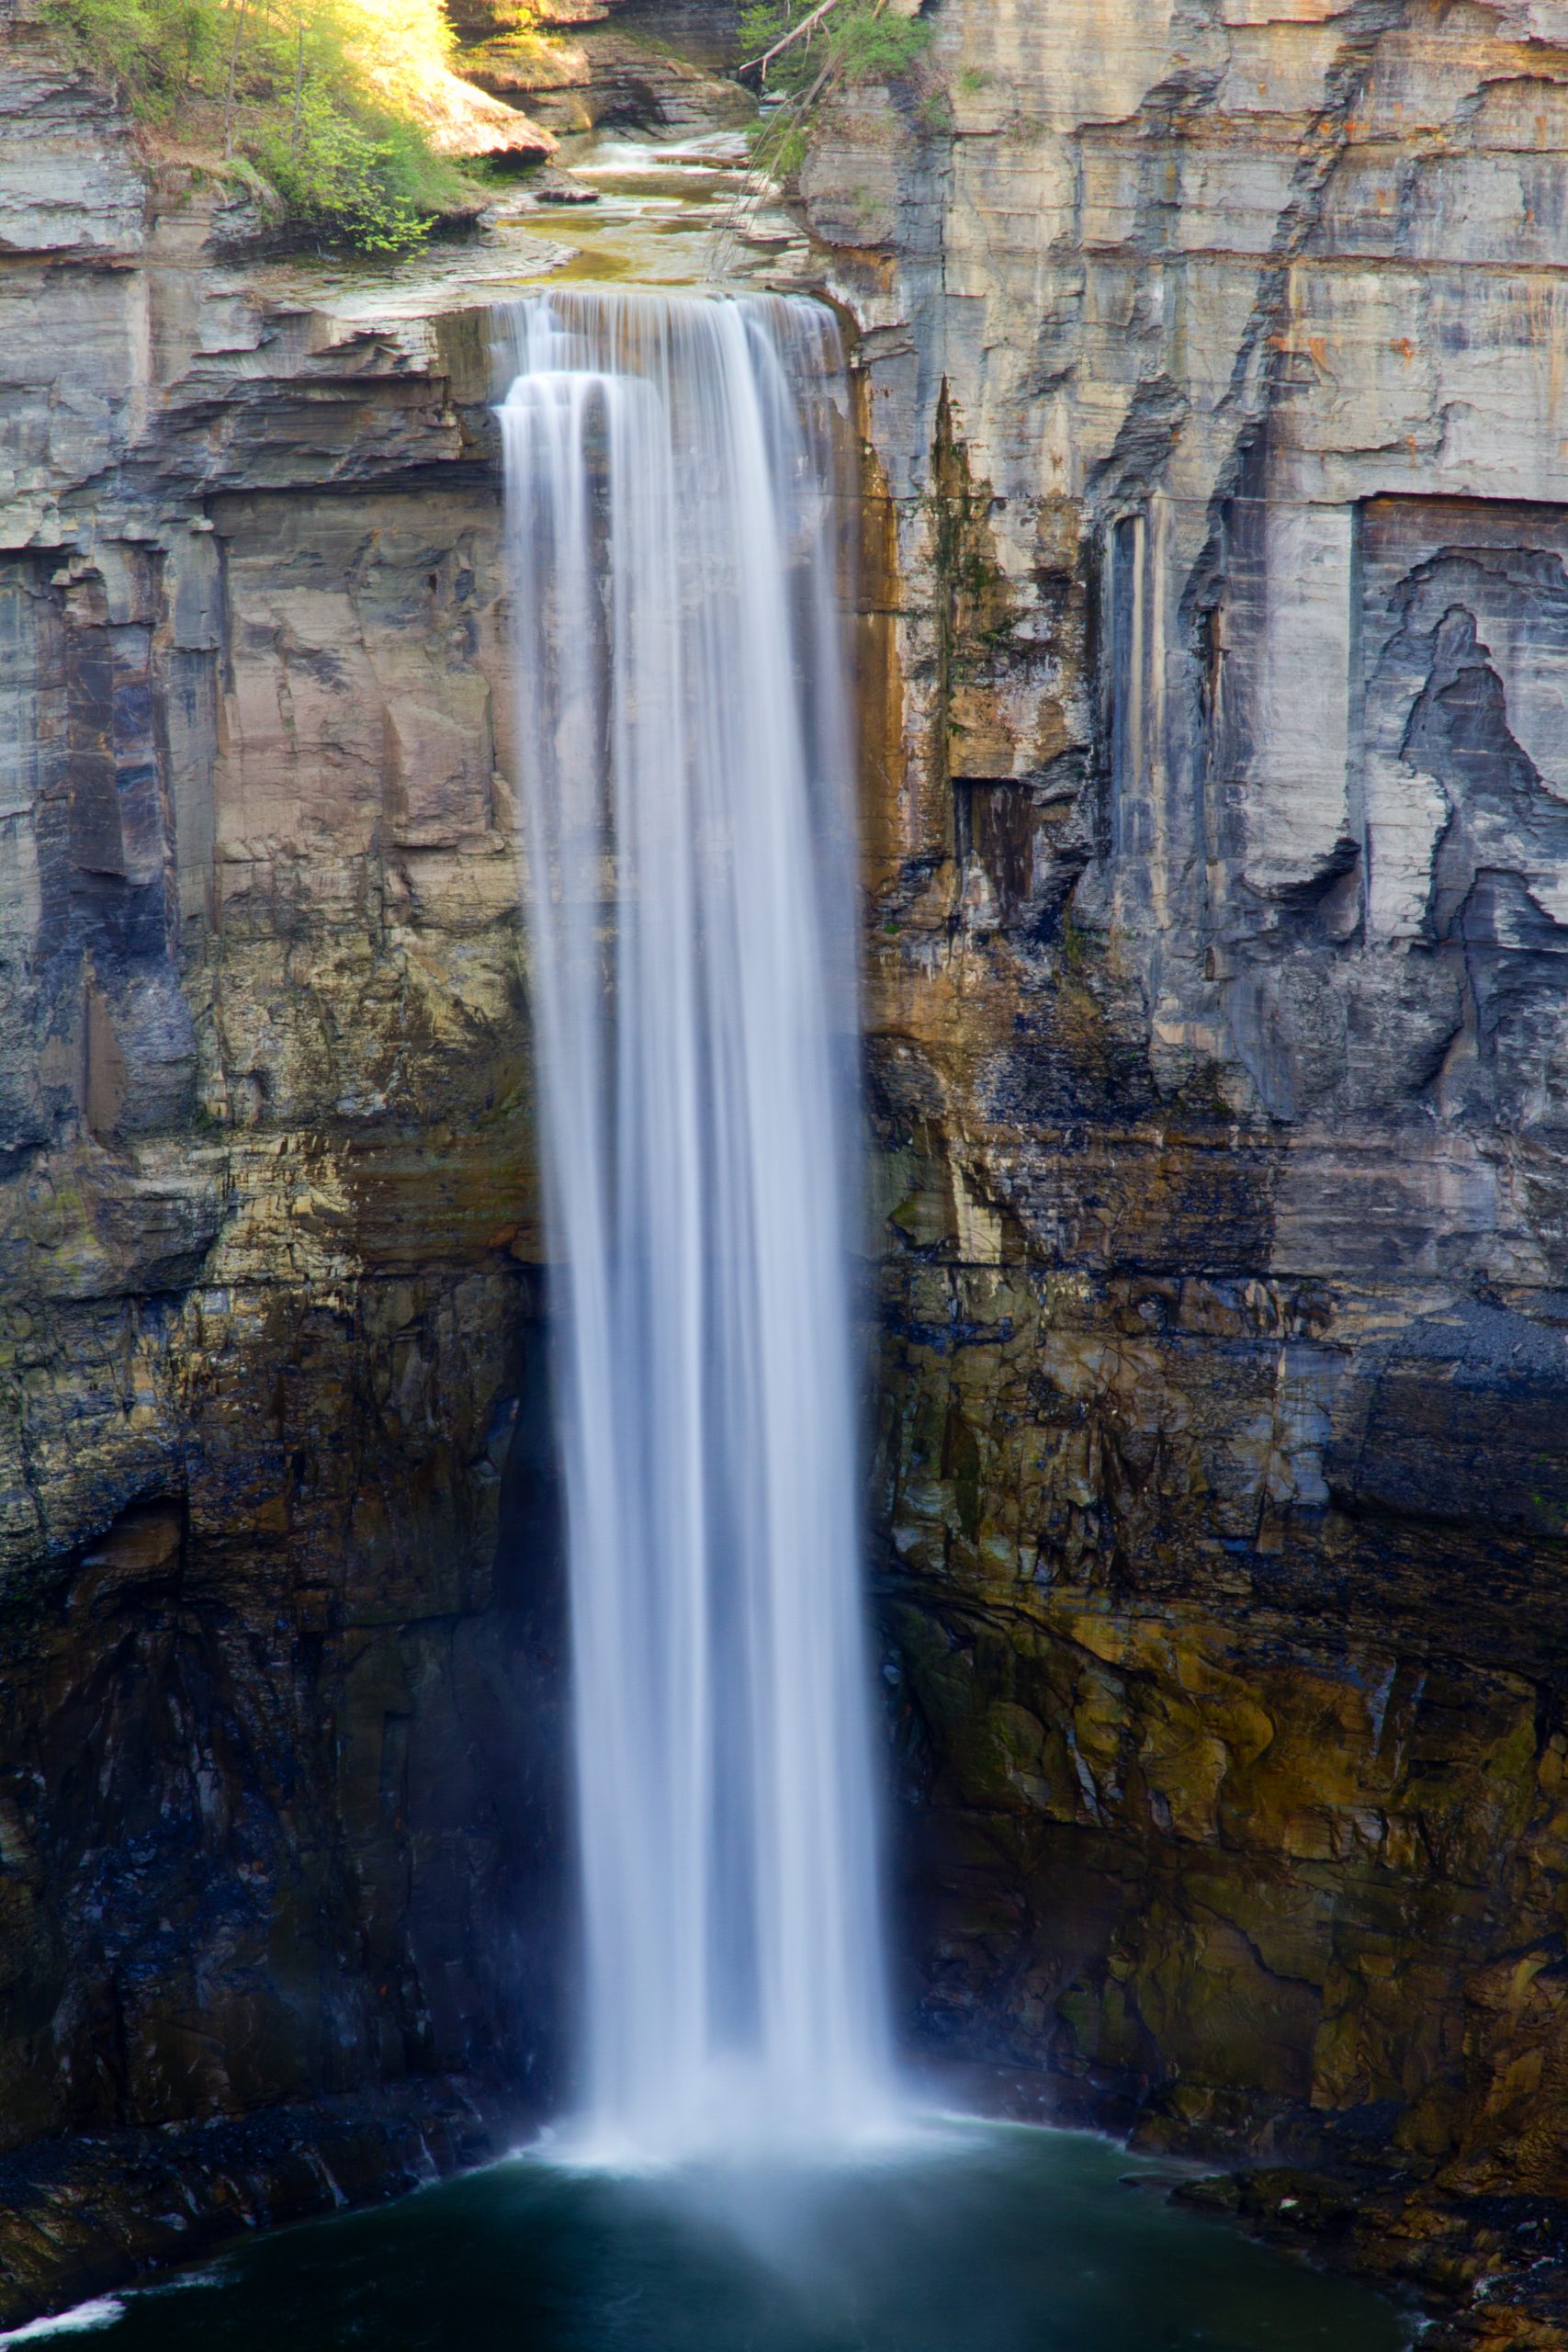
[673, 525]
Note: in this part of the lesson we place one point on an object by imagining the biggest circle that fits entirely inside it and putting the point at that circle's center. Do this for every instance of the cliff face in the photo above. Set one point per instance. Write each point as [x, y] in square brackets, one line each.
[1213, 366]
[277, 1627]
[575, 64]
[1216, 660]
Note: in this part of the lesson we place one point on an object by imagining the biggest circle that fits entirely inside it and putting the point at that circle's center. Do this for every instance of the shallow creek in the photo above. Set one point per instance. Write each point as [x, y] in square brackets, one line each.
[669, 213]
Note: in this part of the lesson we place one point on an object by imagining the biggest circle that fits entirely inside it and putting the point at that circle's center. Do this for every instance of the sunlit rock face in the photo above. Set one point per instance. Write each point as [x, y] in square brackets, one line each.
[275, 1635]
[1214, 381]
[658, 65]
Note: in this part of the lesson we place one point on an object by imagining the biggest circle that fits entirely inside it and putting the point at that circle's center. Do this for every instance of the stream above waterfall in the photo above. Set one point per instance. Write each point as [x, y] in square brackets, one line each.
[670, 211]
[976, 2238]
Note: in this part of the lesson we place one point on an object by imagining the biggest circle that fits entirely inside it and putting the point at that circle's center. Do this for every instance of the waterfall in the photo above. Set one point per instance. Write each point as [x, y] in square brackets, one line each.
[674, 522]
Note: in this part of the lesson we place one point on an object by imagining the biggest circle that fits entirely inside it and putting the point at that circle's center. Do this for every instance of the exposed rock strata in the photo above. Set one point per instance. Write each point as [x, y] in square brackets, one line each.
[1213, 369]
[1216, 1023]
[278, 1625]
[81, 2217]
[607, 69]
[279, 1621]
[465, 120]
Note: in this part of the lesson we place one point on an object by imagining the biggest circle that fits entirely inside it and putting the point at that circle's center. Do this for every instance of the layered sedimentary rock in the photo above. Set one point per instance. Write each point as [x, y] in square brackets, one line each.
[1214, 367]
[1219, 859]
[276, 1623]
[652, 64]
[279, 1615]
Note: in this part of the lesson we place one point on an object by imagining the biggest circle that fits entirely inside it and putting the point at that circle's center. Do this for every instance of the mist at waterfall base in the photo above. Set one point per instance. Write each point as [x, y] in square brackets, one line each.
[683, 745]
[985, 2239]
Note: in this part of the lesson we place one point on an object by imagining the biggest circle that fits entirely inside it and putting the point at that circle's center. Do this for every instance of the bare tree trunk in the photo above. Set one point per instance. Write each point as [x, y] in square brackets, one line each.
[298, 86]
[805, 26]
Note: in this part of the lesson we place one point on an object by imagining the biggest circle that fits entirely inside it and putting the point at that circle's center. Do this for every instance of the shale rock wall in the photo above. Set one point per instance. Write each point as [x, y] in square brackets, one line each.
[576, 64]
[277, 1621]
[1216, 661]
[1213, 369]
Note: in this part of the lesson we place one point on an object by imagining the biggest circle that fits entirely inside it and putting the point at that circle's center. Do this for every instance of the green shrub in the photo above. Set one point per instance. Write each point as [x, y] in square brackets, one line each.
[856, 41]
[314, 96]
[877, 49]
[157, 50]
[338, 182]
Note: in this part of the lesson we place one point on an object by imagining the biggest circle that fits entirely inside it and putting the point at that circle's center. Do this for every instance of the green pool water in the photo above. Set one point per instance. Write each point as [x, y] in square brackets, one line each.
[975, 2238]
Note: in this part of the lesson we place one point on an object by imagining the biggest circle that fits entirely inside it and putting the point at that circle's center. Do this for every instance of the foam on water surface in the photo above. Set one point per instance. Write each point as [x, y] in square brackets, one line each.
[976, 2238]
[102, 2311]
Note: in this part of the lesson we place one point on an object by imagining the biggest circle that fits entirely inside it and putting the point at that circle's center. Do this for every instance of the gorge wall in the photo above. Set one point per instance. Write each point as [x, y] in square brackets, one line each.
[1216, 661]
[1214, 367]
[278, 1620]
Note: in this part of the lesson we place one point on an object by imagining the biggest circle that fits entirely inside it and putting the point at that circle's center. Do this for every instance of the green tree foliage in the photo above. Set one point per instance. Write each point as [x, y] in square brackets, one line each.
[851, 40]
[819, 49]
[310, 96]
[157, 50]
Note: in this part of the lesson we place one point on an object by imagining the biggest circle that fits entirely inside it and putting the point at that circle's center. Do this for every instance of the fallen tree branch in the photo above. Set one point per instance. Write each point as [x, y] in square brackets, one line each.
[815, 17]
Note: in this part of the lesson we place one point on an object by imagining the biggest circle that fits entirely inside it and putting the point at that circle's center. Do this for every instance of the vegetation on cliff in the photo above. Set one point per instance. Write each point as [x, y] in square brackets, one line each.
[317, 103]
[804, 49]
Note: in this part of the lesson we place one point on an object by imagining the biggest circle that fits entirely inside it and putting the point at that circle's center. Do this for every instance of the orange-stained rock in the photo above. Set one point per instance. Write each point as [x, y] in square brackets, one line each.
[1212, 382]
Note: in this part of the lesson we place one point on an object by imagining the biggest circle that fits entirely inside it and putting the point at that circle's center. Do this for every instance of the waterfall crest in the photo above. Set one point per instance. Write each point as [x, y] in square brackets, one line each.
[673, 518]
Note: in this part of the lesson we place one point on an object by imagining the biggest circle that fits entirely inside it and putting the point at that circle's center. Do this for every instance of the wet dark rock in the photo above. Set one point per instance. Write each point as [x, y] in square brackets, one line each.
[280, 1638]
[82, 2216]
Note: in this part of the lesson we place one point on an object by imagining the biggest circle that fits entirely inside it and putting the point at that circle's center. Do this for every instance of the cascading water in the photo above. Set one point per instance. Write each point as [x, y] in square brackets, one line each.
[673, 522]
